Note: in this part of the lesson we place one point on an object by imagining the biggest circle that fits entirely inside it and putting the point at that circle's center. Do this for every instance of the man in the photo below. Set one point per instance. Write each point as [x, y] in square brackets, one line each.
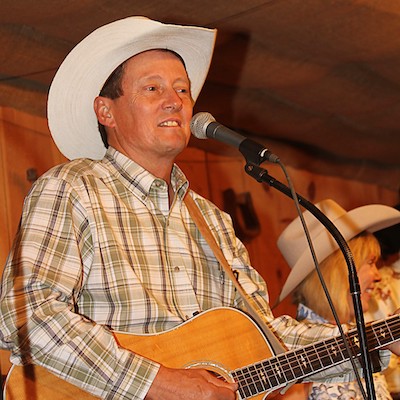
[106, 242]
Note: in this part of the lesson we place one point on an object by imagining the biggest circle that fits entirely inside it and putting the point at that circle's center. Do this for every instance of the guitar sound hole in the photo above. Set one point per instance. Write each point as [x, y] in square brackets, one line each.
[219, 376]
[213, 368]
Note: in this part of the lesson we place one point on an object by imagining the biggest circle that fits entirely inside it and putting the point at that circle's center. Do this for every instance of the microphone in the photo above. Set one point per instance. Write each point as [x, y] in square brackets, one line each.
[203, 126]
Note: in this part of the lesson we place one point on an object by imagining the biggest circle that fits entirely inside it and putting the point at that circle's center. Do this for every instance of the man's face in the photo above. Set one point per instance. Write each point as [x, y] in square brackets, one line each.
[151, 120]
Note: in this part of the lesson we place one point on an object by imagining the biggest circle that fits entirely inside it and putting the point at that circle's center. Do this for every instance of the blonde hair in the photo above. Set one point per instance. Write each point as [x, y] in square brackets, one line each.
[335, 272]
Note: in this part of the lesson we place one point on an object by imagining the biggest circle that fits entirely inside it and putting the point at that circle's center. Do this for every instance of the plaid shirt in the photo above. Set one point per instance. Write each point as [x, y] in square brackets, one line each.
[100, 250]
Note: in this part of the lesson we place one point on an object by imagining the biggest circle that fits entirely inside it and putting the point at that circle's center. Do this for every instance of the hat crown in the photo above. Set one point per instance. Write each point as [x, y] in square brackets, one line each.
[293, 235]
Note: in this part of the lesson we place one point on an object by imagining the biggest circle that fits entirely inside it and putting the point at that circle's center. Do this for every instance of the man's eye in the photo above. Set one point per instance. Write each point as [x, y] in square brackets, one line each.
[151, 88]
[183, 90]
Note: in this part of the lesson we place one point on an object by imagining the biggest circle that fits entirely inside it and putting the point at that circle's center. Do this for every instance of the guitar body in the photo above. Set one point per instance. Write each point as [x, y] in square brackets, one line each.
[220, 340]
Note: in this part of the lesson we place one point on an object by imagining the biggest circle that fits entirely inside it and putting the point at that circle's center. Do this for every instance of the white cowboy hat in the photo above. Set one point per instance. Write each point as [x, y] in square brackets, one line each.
[81, 76]
[294, 247]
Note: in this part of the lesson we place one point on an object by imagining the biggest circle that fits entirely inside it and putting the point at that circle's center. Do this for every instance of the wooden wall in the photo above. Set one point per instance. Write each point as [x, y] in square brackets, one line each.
[26, 145]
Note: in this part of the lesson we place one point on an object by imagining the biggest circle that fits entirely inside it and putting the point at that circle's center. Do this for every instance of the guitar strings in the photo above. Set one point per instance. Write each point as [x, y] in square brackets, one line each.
[288, 367]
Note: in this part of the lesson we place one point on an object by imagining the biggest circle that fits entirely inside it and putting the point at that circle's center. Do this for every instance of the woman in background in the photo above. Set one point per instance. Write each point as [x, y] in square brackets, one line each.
[303, 282]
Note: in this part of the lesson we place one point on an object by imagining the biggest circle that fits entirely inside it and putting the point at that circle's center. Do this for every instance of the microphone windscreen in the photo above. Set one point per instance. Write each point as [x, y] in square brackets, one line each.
[199, 123]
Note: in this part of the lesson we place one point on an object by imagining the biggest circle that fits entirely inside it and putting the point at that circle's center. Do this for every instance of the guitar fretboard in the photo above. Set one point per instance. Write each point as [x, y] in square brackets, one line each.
[289, 367]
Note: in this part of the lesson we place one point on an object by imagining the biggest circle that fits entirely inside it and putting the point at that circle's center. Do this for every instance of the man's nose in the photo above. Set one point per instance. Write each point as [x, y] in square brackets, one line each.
[172, 100]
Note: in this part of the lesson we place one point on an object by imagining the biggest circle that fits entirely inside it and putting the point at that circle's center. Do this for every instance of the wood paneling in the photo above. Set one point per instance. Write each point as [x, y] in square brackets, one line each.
[5, 241]
[26, 145]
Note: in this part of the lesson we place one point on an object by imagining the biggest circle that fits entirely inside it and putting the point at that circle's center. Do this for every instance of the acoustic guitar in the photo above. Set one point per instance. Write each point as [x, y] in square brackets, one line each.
[223, 340]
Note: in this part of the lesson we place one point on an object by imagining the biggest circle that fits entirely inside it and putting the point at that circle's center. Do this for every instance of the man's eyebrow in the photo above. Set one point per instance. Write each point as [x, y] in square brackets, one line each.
[155, 76]
[159, 77]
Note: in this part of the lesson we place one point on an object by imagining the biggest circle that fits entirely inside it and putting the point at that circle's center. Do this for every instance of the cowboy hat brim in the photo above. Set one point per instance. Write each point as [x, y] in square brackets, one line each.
[81, 76]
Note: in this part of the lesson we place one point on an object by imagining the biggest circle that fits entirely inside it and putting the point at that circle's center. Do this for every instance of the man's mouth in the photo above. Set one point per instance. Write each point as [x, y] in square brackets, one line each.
[169, 123]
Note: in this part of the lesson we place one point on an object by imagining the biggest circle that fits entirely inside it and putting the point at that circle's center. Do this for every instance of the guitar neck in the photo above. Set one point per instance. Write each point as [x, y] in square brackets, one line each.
[297, 364]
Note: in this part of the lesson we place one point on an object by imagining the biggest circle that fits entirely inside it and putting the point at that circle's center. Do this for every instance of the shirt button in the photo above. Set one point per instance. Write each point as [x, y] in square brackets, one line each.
[177, 269]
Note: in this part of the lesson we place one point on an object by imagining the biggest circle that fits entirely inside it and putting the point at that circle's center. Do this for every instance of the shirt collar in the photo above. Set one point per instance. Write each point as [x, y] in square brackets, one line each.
[139, 179]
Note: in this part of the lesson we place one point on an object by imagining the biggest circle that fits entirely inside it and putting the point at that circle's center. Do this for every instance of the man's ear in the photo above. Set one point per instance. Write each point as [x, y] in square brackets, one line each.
[102, 106]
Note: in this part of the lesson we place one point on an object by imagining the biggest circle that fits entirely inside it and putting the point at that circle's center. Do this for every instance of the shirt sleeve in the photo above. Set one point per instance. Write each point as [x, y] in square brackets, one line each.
[43, 275]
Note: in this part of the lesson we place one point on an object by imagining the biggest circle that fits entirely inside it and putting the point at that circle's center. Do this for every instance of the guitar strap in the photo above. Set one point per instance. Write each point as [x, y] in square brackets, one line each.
[198, 218]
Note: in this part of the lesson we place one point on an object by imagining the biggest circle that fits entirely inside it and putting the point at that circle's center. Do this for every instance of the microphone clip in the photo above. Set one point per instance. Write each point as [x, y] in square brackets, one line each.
[255, 153]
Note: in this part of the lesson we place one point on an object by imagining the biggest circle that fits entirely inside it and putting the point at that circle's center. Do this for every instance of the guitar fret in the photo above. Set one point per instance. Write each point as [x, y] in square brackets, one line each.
[250, 382]
[236, 375]
[311, 356]
[272, 371]
[335, 350]
[331, 353]
[264, 375]
[239, 378]
[290, 374]
[258, 383]
[306, 364]
[380, 334]
[243, 384]
[279, 370]
[315, 360]
[323, 355]
[247, 377]
[394, 332]
[301, 363]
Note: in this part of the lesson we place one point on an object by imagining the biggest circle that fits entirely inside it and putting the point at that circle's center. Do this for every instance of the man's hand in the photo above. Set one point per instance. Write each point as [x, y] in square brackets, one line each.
[190, 384]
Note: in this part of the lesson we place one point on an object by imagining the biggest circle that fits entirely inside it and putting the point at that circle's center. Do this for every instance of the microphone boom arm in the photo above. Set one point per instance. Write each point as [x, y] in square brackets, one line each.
[261, 175]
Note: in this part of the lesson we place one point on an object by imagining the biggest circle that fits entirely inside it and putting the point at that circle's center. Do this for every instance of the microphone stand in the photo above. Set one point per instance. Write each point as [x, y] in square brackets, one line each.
[261, 175]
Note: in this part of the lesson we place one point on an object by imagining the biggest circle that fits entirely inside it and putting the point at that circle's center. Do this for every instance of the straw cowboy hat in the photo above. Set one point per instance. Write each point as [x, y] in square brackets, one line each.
[81, 76]
[293, 244]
